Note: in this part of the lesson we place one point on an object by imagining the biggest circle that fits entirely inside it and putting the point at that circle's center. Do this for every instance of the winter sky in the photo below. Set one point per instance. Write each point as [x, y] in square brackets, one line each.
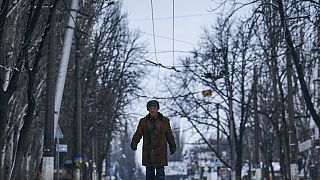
[190, 18]
[154, 19]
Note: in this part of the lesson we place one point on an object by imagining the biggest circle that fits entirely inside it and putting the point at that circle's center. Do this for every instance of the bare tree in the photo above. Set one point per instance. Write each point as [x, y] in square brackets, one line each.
[111, 73]
[109, 79]
[222, 64]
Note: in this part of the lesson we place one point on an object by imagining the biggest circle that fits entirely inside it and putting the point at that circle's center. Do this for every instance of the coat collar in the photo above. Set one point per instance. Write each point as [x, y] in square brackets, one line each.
[160, 116]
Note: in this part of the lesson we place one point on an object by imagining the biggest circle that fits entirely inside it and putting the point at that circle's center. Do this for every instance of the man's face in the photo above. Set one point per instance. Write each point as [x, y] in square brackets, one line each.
[153, 111]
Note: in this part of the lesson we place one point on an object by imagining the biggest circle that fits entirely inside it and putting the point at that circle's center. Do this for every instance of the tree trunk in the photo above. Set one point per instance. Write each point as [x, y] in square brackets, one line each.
[296, 60]
[232, 128]
[8, 156]
[3, 127]
[25, 137]
[22, 57]
[3, 18]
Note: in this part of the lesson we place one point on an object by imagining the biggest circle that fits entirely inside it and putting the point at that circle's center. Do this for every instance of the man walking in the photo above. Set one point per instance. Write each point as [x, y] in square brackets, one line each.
[156, 132]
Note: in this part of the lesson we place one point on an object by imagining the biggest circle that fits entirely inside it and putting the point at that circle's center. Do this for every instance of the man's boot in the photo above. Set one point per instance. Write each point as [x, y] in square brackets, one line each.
[150, 173]
[160, 177]
[160, 173]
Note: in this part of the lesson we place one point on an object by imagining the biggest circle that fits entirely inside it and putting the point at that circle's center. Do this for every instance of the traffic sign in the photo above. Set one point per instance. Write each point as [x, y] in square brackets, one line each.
[219, 163]
[305, 145]
[59, 134]
[206, 168]
[61, 148]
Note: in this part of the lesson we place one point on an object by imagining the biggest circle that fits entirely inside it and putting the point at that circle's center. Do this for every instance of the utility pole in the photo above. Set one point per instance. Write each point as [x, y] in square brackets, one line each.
[48, 148]
[63, 67]
[218, 138]
[233, 142]
[94, 166]
[293, 146]
[256, 126]
[78, 134]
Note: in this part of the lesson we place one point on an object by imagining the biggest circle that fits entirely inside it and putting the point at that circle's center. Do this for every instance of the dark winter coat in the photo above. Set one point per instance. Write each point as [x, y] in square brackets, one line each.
[156, 134]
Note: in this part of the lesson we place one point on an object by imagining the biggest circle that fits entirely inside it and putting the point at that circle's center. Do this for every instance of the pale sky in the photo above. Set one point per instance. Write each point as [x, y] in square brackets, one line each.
[190, 18]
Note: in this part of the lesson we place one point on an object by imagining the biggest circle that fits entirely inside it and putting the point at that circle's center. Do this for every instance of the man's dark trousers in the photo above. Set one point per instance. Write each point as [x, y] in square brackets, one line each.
[150, 174]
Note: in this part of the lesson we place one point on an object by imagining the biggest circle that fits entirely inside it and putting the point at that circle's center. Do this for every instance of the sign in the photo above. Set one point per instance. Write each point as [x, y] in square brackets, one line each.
[316, 142]
[206, 168]
[196, 176]
[176, 168]
[61, 148]
[305, 145]
[205, 158]
[59, 134]
[205, 174]
[216, 163]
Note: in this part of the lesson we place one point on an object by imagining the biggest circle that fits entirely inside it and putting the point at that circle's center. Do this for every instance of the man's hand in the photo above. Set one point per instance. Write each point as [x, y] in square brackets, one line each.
[133, 147]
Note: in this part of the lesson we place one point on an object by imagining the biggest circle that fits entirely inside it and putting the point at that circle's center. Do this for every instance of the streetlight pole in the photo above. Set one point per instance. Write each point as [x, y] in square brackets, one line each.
[218, 138]
[63, 67]
[256, 126]
[58, 159]
[78, 126]
[292, 128]
[48, 147]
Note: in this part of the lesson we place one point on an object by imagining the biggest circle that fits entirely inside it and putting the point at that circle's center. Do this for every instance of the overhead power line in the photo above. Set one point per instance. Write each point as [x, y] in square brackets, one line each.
[153, 33]
[176, 17]
[161, 65]
[164, 37]
[173, 33]
[155, 47]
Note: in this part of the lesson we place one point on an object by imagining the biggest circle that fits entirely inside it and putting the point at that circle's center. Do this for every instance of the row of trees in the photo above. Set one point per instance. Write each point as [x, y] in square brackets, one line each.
[260, 68]
[110, 58]
[263, 71]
